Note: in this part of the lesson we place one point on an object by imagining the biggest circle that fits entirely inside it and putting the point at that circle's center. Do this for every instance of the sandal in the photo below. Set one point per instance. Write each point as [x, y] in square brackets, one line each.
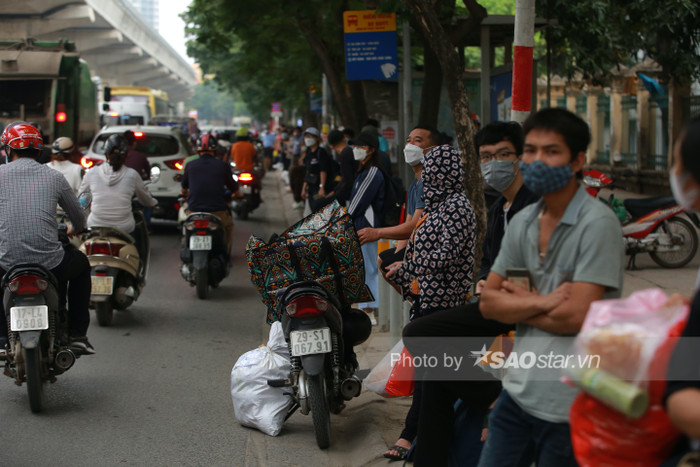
[403, 452]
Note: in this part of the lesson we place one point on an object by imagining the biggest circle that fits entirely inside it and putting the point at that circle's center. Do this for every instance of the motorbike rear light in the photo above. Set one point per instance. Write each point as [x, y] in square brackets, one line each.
[28, 285]
[138, 134]
[176, 164]
[101, 248]
[201, 223]
[304, 307]
[88, 162]
[202, 232]
[245, 177]
[61, 115]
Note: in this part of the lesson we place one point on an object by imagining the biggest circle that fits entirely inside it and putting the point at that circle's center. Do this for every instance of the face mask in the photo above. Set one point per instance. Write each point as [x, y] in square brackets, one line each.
[309, 142]
[359, 153]
[498, 174]
[542, 179]
[413, 154]
[685, 200]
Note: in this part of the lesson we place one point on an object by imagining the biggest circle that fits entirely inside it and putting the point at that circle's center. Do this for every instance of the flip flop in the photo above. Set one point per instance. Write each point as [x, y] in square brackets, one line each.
[400, 449]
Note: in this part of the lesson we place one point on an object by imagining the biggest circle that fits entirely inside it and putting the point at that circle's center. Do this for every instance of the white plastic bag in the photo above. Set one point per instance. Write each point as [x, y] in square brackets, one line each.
[256, 404]
[378, 379]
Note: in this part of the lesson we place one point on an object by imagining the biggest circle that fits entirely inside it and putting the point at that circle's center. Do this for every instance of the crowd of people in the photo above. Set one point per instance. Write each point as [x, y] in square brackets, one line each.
[541, 220]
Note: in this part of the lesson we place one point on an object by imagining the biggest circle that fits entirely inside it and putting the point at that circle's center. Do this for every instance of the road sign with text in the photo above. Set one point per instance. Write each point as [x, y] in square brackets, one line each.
[370, 45]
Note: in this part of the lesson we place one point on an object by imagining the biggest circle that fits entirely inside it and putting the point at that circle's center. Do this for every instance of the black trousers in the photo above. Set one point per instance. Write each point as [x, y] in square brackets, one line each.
[73, 276]
[436, 411]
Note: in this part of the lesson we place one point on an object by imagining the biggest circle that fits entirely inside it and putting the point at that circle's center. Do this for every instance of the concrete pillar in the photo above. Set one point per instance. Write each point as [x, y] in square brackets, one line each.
[643, 139]
[592, 125]
[676, 94]
[616, 119]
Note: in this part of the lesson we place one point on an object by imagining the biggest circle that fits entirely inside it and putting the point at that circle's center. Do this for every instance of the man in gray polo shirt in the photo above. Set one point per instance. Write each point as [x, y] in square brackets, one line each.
[571, 245]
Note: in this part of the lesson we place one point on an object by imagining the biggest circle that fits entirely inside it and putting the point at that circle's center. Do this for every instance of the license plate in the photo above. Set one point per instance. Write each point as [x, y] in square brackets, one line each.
[102, 285]
[200, 242]
[246, 189]
[310, 342]
[29, 318]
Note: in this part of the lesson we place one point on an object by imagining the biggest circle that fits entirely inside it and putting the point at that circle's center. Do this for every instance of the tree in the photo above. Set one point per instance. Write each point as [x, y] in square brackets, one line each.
[275, 50]
[213, 104]
[445, 43]
[622, 32]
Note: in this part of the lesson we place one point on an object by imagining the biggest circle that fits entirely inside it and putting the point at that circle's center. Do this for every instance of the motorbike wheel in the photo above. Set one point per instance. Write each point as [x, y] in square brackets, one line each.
[105, 312]
[35, 384]
[202, 283]
[320, 411]
[677, 226]
[243, 213]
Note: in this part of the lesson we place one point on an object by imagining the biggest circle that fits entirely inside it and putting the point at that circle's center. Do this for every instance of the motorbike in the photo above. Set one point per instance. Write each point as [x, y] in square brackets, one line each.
[204, 252]
[249, 184]
[38, 347]
[118, 264]
[321, 332]
[650, 225]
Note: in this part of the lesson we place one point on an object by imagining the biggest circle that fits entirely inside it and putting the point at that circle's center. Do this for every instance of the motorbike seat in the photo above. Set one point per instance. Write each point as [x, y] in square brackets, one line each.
[26, 269]
[110, 232]
[638, 207]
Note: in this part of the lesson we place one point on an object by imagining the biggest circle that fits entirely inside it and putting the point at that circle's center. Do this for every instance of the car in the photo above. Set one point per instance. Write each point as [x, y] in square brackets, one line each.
[166, 148]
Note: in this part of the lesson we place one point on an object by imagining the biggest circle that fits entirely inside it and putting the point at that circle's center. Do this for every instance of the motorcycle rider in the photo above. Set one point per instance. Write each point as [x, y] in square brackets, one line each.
[204, 183]
[113, 185]
[29, 193]
[61, 151]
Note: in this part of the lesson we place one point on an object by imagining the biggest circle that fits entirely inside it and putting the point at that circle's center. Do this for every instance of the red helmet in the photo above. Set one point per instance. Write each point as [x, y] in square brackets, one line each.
[20, 136]
[207, 143]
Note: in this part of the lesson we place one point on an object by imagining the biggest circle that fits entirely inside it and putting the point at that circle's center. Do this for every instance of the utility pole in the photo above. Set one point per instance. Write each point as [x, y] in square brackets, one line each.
[524, 41]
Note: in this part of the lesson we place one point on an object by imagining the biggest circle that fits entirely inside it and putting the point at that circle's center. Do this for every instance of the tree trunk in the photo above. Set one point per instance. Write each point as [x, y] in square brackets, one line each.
[432, 88]
[446, 52]
[334, 73]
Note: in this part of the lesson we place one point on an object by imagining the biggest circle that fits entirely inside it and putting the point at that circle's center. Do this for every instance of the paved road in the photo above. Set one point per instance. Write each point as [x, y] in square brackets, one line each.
[157, 392]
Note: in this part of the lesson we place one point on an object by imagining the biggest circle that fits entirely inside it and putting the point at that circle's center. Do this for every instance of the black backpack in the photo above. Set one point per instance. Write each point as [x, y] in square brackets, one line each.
[394, 199]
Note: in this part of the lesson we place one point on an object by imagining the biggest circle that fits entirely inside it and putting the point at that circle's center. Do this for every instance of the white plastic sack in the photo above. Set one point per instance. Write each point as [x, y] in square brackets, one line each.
[377, 378]
[256, 404]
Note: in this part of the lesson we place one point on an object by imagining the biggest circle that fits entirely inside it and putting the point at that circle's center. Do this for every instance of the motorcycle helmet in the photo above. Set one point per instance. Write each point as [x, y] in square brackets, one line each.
[116, 145]
[63, 146]
[19, 136]
[207, 143]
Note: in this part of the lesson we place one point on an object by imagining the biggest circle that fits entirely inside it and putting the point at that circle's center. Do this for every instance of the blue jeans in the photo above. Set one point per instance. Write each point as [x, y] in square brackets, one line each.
[513, 432]
[369, 253]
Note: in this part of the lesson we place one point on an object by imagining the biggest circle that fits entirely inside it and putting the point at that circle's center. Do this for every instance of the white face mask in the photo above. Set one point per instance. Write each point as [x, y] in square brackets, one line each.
[359, 153]
[413, 154]
[309, 142]
[686, 200]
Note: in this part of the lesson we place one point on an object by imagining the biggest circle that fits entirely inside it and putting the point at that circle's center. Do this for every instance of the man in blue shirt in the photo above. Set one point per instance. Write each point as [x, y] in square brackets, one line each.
[205, 182]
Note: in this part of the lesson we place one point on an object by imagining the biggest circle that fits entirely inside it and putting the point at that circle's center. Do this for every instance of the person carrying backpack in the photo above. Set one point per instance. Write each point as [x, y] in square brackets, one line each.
[365, 207]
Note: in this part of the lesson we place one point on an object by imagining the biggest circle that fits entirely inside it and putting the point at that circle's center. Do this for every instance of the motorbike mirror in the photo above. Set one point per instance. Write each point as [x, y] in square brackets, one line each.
[593, 182]
[85, 199]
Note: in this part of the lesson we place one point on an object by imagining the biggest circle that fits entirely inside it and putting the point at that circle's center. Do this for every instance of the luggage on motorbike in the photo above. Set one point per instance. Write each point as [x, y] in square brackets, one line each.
[394, 375]
[255, 403]
[322, 247]
[632, 340]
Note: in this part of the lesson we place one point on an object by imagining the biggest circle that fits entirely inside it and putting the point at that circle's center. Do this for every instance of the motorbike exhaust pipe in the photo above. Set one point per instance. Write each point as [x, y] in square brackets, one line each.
[64, 360]
[350, 387]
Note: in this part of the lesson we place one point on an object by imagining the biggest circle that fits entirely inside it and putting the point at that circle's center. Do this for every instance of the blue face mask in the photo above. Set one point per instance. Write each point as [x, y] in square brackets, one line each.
[542, 179]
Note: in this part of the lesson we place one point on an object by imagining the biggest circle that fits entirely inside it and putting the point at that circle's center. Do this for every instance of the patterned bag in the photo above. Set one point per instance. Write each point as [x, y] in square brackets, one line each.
[323, 247]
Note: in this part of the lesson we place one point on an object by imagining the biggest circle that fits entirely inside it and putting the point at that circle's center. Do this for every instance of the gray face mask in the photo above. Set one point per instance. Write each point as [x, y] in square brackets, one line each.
[498, 174]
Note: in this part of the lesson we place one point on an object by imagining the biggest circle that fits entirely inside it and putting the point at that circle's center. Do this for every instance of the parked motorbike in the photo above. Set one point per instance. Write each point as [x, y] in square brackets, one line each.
[321, 332]
[249, 184]
[204, 252]
[650, 225]
[119, 265]
[38, 327]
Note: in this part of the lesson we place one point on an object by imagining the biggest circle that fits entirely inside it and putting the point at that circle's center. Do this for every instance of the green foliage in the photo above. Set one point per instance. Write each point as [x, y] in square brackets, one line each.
[595, 36]
[214, 104]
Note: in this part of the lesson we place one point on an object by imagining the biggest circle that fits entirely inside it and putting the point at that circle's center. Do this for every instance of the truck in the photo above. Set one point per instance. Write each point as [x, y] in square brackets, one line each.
[133, 105]
[47, 83]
